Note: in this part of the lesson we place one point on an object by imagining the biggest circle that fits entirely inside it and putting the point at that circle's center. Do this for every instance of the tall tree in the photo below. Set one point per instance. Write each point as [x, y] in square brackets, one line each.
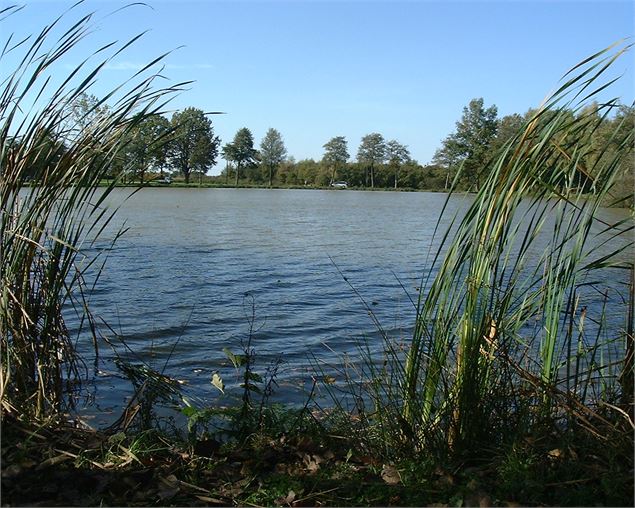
[85, 111]
[397, 155]
[335, 154]
[241, 150]
[272, 151]
[194, 146]
[148, 145]
[372, 151]
[82, 118]
[508, 127]
[470, 144]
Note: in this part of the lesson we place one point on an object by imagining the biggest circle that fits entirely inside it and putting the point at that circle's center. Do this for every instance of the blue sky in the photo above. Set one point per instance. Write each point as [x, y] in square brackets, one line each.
[317, 69]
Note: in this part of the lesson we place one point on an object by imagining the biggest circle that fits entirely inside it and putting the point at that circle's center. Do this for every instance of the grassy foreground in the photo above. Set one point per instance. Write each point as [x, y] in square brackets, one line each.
[515, 389]
[62, 465]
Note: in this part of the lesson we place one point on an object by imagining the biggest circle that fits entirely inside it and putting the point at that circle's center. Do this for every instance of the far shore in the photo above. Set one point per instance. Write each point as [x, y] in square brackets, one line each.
[213, 185]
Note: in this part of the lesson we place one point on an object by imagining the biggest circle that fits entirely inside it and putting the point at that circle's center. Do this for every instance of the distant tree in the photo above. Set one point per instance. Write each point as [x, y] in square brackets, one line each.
[470, 144]
[148, 146]
[372, 151]
[85, 111]
[607, 135]
[622, 126]
[507, 128]
[306, 172]
[83, 117]
[335, 154]
[241, 151]
[194, 146]
[397, 155]
[272, 152]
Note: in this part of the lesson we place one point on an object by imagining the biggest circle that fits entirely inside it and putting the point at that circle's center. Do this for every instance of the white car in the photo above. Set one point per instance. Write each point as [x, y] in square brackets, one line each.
[339, 185]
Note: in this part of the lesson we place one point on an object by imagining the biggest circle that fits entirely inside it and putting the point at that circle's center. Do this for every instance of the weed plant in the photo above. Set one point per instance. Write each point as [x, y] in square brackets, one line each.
[52, 207]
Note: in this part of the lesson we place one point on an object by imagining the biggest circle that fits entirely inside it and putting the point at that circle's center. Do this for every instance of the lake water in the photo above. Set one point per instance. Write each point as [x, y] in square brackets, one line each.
[179, 285]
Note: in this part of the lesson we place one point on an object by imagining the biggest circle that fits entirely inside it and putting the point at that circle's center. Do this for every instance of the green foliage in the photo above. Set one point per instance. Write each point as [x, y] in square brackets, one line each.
[272, 152]
[335, 154]
[397, 155]
[470, 145]
[371, 152]
[507, 128]
[241, 151]
[148, 146]
[193, 146]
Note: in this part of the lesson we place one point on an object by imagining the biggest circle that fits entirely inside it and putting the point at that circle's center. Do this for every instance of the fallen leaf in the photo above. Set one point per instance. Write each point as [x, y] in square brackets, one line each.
[287, 500]
[390, 474]
[217, 381]
[306, 444]
[367, 460]
[28, 463]
[312, 462]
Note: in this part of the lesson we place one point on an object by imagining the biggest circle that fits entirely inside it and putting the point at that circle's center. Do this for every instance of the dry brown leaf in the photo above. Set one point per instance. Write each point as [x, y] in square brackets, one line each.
[312, 462]
[286, 500]
[390, 474]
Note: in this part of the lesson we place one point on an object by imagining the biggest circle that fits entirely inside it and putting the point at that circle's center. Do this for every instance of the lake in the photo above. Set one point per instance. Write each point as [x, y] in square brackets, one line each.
[197, 268]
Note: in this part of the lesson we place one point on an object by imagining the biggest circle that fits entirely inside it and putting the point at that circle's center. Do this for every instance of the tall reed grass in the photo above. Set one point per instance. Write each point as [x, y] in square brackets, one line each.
[513, 328]
[52, 206]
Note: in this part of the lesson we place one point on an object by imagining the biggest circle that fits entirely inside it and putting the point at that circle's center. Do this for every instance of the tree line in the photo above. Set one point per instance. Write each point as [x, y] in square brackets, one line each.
[480, 136]
[185, 145]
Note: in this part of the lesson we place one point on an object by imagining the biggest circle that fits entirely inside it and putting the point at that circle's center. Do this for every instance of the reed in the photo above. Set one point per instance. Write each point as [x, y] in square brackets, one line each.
[515, 326]
[52, 206]
[503, 317]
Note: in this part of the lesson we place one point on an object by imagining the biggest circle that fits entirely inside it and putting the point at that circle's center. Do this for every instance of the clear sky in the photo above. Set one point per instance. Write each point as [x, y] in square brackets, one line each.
[319, 69]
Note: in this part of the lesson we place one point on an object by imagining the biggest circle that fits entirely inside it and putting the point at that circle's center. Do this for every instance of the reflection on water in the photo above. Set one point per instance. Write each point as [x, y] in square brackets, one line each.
[174, 285]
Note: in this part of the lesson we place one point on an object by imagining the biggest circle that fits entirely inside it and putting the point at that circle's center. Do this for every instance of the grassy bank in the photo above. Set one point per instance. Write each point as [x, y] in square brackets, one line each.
[180, 184]
[311, 465]
[515, 387]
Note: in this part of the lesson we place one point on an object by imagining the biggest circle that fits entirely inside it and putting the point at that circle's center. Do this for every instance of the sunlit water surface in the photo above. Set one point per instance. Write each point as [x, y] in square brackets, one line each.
[198, 268]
